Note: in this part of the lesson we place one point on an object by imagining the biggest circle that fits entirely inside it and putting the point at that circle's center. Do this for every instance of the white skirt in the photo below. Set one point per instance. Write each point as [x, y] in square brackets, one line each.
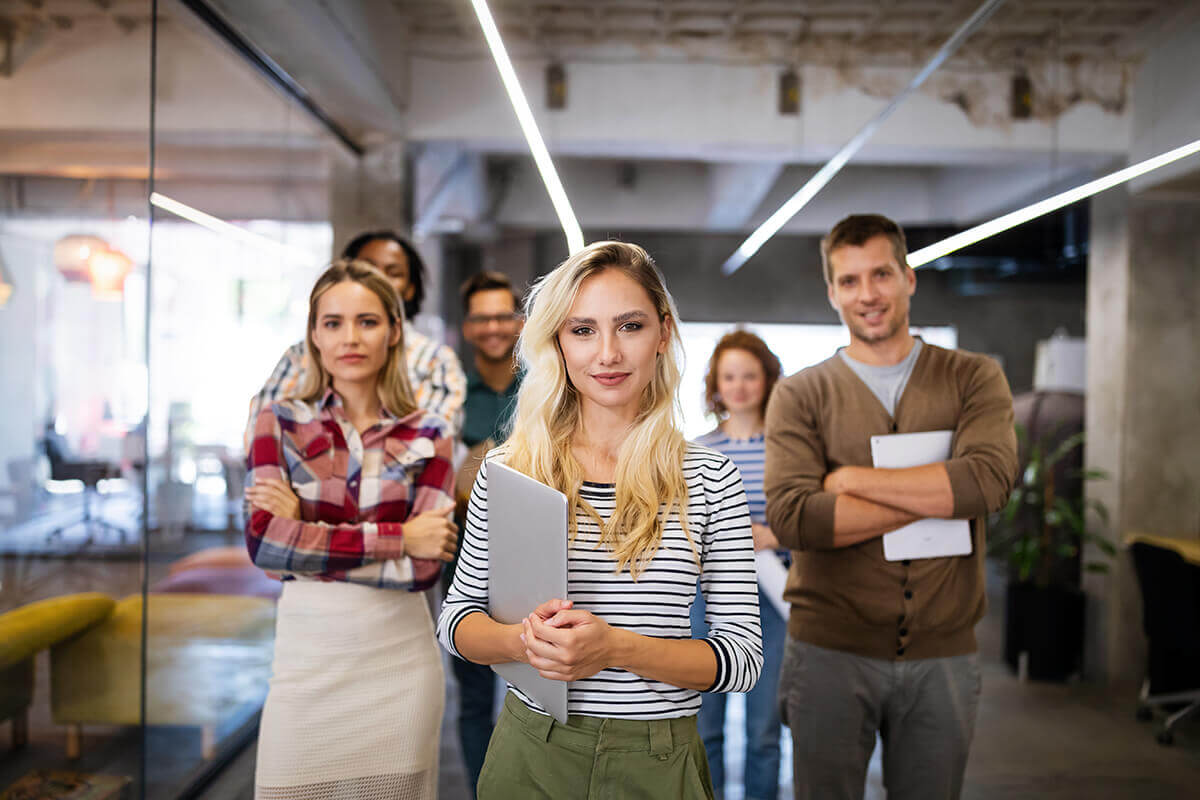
[355, 702]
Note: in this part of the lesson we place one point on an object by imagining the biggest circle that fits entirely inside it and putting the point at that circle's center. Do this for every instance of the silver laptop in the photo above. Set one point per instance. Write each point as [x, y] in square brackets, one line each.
[527, 565]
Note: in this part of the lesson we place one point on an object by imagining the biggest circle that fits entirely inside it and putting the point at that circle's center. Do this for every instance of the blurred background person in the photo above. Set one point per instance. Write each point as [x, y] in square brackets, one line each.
[491, 325]
[434, 373]
[741, 373]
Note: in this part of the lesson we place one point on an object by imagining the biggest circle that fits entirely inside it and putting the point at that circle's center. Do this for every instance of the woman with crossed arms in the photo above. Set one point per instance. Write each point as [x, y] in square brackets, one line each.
[349, 493]
[649, 514]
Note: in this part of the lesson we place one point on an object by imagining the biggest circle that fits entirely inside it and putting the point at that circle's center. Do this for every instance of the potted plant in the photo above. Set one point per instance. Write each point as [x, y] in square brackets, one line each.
[1041, 533]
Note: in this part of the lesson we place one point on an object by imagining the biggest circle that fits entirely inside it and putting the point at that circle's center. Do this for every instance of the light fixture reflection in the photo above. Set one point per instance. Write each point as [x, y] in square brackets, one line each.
[229, 230]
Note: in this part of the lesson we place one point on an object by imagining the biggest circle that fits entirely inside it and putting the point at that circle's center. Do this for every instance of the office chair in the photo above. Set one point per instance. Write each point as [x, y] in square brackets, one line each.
[90, 473]
[1169, 574]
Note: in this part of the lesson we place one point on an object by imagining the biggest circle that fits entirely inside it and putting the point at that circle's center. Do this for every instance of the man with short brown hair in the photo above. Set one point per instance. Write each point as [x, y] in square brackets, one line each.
[877, 645]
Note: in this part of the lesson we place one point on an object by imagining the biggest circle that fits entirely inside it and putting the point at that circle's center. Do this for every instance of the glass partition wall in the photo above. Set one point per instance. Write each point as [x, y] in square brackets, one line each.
[135, 637]
[240, 231]
[74, 263]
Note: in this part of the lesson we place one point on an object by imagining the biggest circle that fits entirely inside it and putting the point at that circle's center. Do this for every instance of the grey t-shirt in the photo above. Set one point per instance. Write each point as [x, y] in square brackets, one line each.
[886, 383]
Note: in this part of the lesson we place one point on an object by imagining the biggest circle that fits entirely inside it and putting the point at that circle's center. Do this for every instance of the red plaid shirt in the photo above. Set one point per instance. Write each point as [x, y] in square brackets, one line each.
[355, 492]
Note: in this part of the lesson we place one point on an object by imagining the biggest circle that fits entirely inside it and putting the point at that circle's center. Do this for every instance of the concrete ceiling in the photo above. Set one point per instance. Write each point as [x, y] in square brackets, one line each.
[684, 89]
[839, 32]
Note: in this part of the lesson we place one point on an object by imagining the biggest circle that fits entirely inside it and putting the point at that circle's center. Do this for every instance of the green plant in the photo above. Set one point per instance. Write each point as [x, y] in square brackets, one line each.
[1041, 527]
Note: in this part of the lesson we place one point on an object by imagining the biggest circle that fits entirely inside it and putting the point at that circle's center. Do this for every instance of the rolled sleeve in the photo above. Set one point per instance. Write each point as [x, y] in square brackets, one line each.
[983, 466]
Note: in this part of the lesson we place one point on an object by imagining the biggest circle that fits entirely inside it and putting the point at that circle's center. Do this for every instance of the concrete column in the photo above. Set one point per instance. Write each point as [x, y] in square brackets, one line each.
[372, 193]
[368, 192]
[1143, 414]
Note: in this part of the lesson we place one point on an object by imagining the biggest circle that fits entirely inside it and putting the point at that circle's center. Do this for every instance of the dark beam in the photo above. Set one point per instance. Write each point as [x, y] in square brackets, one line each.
[270, 70]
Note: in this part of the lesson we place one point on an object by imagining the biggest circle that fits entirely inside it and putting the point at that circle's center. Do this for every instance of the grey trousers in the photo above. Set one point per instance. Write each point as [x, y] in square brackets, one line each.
[835, 703]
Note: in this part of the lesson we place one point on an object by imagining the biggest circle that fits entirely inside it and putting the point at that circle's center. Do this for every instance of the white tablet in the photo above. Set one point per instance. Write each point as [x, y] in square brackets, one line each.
[925, 538]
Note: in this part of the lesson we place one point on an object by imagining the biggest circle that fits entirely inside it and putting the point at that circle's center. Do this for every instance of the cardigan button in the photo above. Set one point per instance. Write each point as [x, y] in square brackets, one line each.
[908, 594]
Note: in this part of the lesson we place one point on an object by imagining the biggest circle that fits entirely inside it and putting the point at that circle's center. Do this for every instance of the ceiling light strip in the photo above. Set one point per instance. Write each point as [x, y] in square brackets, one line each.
[970, 236]
[826, 173]
[226, 229]
[541, 156]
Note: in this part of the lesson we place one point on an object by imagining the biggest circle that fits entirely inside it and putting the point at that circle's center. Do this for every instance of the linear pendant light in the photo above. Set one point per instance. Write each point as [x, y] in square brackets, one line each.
[220, 226]
[831, 168]
[970, 236]
[541, 156]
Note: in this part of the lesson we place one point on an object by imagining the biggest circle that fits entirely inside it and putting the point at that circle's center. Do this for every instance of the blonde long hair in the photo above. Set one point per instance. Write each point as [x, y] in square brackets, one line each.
[395, 391]
[649, 474]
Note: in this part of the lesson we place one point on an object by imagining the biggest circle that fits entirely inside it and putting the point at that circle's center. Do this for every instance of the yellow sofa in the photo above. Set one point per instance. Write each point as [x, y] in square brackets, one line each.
[206, 656]
[27, 630]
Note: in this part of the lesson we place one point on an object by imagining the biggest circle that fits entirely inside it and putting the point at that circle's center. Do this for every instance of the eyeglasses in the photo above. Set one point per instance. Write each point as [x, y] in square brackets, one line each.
[501, 319]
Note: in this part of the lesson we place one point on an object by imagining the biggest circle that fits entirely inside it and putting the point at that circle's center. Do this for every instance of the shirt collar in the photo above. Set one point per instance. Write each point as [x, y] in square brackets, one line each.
[331, 400]
[475, 382]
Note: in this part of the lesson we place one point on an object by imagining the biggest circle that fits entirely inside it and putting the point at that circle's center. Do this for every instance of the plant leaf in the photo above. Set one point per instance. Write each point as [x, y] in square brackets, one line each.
[1100, 509]
[1064, 448]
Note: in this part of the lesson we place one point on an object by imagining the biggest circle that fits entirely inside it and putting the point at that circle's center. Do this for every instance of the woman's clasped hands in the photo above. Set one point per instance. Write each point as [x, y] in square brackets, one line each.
[567, 644]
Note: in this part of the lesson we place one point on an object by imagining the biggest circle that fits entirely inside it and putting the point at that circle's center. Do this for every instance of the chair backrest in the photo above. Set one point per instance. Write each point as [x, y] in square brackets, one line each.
[55, 445]
[1170, 591]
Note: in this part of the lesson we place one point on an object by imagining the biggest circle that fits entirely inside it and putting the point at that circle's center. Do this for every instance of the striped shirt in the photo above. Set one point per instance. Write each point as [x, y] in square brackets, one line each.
[438, 382]
[355, 493]
[750, 456]
[657, 603]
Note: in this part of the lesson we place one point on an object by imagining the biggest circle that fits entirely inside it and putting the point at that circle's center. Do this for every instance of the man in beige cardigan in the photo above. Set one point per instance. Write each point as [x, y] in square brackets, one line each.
[877, 645]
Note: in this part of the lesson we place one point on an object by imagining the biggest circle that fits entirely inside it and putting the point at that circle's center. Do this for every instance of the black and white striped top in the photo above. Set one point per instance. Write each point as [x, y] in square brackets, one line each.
[658, 603]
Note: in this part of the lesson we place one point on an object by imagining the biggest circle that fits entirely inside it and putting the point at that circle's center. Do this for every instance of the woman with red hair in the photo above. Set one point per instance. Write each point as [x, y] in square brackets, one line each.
[741, 373]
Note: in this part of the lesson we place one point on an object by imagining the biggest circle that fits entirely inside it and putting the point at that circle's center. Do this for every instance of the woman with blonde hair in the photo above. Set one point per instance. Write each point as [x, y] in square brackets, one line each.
[348, 497]
[649, 515]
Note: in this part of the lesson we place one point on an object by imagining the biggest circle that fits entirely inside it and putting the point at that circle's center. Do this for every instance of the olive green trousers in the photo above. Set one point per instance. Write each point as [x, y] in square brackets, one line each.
[593, 758]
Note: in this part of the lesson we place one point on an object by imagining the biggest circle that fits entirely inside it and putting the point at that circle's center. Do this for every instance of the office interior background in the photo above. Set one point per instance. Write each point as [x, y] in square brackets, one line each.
[174, 175]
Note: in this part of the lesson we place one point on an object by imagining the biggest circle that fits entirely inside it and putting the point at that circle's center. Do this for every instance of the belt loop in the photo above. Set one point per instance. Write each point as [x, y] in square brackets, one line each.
[545, 724]
[660, 737]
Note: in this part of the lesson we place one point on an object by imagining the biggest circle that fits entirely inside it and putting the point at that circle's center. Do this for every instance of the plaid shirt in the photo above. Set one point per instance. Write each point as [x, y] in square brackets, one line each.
[355, 493]
[437, 379]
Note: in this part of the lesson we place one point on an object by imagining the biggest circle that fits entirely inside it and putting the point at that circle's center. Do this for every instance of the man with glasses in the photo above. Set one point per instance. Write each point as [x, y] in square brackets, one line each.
[491, 325]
